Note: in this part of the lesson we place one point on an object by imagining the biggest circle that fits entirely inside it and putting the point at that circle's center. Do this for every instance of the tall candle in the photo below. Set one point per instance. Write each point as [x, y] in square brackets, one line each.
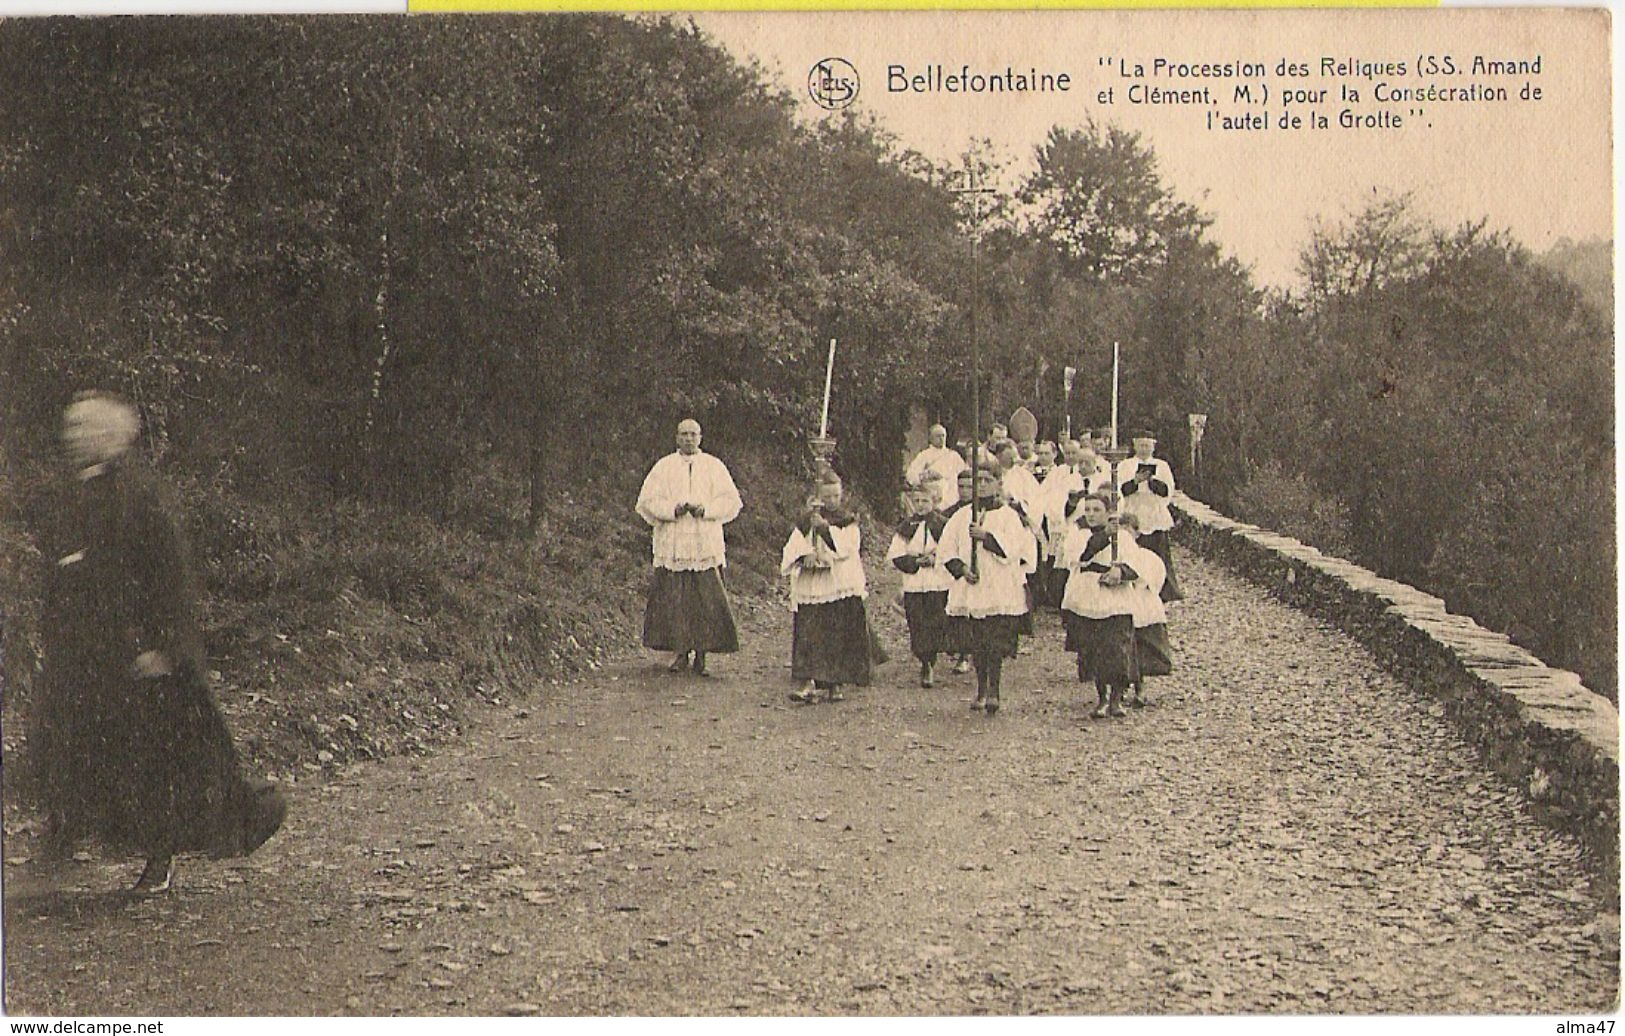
[829, 375]
[1114, 395]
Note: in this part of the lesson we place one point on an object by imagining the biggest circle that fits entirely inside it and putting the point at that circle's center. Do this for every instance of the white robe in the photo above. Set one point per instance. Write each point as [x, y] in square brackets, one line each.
[1147, 607]
[1084, 595]
[1048, 514]
[689, 544]
[1001, 587]
[929, 578]
[844, 576]
[946, 462]
[1019, 484]
[1101, 476]
[1149, 507]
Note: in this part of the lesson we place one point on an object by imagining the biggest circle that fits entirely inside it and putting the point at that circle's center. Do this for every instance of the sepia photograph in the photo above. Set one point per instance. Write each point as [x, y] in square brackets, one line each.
[825, 514]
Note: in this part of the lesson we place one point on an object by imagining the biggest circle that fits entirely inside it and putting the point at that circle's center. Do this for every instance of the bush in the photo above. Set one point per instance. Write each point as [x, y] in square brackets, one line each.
[1290, 505]
[1539, 565]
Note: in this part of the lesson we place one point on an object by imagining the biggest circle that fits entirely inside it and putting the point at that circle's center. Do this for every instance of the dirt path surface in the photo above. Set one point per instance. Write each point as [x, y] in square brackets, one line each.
[1286, 829]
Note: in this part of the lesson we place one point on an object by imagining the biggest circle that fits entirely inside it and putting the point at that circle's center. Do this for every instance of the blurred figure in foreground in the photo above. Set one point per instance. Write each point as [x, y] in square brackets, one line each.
[131, 748]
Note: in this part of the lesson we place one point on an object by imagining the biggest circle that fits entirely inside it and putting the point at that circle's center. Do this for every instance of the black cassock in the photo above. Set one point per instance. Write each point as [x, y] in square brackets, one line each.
[143, 764]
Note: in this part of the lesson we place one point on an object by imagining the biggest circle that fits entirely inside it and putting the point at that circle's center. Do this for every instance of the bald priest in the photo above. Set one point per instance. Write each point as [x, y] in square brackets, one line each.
[687, 497]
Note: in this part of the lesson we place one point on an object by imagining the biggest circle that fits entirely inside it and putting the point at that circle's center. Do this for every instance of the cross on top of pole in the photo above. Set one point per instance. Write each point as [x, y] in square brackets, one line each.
[970, 184]
[971, 188]
[975, 193]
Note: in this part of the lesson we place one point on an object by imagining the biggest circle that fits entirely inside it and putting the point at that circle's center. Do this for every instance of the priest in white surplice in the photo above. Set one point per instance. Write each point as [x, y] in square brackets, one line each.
[1147, 484]
[940, 458]
[687, 497]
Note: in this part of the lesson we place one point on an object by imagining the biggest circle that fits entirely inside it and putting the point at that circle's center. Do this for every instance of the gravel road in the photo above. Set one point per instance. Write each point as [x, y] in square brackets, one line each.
[1286, 829]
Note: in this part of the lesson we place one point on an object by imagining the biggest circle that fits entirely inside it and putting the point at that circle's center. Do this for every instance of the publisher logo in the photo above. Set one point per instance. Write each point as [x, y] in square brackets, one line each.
[833, 83]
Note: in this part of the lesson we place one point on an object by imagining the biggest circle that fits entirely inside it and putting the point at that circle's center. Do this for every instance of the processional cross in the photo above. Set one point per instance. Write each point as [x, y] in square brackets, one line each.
[975, 192]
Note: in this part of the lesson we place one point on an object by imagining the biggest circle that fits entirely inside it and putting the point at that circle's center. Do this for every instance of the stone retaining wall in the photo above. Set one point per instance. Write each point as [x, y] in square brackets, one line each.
[1537, 726]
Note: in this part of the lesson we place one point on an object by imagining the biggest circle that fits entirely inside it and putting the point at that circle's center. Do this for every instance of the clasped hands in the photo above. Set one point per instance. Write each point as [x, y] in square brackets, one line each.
[697, 510]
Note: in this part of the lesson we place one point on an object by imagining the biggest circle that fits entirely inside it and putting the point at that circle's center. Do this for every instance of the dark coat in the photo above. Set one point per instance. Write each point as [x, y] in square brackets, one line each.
[143, 764]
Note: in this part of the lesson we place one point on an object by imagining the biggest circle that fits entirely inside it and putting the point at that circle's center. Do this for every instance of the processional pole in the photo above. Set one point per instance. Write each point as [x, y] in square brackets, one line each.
[1198, 426]
[975, 193]
[1067, 374]
[1114, 395]
[1115, 455]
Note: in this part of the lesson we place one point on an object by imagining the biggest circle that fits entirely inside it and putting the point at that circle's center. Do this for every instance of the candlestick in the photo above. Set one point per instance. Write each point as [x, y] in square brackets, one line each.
[829, 375]
[1114, 395]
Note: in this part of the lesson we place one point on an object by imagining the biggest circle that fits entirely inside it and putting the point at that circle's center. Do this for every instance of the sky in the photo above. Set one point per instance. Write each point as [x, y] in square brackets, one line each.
[1538, 168]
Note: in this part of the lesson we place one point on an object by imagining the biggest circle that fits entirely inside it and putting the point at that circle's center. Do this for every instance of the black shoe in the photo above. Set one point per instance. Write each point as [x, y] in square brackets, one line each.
[157, 877]
[679, 664]
[699, 664]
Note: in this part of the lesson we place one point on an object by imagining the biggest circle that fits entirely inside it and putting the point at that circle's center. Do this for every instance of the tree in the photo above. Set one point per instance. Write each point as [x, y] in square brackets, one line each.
[1458, 404]
[1097, 201]
[1381, 244]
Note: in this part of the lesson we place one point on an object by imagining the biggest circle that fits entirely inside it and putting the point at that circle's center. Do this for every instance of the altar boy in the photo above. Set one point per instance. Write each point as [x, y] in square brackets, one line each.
[830, 625]
[1153, 653]
[925, 583]
[1098, 608]
[989, 599]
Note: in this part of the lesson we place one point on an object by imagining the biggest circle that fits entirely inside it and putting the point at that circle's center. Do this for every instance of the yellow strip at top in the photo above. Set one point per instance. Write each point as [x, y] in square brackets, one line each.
[467, 6]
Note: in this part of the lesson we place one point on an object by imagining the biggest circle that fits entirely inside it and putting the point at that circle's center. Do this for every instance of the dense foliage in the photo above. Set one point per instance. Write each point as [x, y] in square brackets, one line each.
[409, 305]
[433, 237]
[1463, 395]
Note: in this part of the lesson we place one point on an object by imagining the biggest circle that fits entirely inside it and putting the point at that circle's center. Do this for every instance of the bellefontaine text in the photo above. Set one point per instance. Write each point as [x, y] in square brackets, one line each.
[944, 79]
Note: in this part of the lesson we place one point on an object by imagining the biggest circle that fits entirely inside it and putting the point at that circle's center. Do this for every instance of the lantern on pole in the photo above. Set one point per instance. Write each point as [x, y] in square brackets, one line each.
[1198, 426]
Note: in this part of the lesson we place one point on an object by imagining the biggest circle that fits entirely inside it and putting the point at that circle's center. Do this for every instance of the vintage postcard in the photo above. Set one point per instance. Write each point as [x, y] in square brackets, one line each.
[824, 513]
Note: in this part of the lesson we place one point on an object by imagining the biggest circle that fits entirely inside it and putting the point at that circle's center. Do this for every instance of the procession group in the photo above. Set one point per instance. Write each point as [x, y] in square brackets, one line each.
[991, 532]
[129, 746]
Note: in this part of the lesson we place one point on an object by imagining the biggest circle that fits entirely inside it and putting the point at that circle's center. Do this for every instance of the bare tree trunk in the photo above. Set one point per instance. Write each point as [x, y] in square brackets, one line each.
[381, 299]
